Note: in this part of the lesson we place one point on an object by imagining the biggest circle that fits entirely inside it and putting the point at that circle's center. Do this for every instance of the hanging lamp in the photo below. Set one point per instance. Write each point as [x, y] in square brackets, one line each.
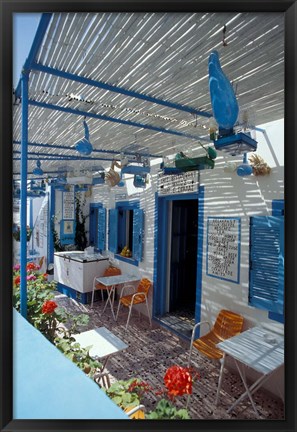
[38, 170]
[84, 147]
[245, 169]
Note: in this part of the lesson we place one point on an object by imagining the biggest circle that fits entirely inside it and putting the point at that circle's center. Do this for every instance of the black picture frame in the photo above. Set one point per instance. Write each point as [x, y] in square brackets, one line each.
[7, 422]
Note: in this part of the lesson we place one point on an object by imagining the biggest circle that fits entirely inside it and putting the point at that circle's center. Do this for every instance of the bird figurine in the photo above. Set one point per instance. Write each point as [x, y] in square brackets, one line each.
[223, 100]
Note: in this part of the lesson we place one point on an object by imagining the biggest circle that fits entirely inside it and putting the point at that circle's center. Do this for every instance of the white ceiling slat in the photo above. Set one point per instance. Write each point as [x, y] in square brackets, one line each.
[164, 55]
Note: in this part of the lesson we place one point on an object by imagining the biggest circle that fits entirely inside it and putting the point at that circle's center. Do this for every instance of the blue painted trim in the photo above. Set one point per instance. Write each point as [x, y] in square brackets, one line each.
[31, 214]
[200, 236]
[23, 195]
[116, 120]
[71, 148]
[41, 30]
[116, 89]
[156, 260]
[278, 209]
[239, 242]
[128, 205]
[127, 260]
[160, 249]
[51, 211]
[93, 229]
[276, 317]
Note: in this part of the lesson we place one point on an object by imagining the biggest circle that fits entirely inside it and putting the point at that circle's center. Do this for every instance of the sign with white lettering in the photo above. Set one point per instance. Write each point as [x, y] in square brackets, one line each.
[68, 205]
[223, 248]
[177, 183]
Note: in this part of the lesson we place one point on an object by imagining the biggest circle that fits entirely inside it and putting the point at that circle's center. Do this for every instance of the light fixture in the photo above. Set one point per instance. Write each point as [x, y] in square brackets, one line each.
[38, 170]
[84, 147]
[245, 169]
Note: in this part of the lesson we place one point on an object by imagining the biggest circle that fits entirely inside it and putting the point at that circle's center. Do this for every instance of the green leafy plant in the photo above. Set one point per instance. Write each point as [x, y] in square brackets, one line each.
[80, 240]
[39, 289]
[165, 410]
[127, 394]
[54, 322]
[78, 355]
[17, 232]
[56, 239]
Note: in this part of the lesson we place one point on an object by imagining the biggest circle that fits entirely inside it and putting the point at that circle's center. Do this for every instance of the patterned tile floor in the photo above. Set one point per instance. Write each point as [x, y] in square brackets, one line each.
[152, 350]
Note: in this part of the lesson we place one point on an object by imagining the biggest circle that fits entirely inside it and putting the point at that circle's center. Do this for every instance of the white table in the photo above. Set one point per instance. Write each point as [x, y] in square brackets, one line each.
[103, 343]
[255, 348]
[112, 281]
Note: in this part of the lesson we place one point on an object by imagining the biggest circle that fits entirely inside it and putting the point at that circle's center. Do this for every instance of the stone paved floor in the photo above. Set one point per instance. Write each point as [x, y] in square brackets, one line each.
[152, 350]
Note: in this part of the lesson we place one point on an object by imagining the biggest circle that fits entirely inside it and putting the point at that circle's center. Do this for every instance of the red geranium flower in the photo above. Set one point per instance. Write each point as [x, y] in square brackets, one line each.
[17, 280]
[32, 266]
[49, 306]
[45, 275]
[178, 381]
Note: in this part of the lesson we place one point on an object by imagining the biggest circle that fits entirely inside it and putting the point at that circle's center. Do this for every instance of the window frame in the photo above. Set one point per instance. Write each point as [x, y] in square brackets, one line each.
[121, 227]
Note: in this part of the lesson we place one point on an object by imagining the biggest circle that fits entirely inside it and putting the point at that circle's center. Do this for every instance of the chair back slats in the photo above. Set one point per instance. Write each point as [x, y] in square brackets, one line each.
[112, 271]
[227, 324]
[109, 271]
[144, 286]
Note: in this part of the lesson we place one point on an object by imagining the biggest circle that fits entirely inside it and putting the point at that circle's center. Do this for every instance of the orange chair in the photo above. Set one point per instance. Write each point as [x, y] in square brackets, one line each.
[227, 324]
[109, 271]
[138, 297]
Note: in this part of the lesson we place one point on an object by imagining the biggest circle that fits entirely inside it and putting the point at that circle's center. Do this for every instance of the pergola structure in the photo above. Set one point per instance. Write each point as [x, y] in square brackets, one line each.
[140, 81]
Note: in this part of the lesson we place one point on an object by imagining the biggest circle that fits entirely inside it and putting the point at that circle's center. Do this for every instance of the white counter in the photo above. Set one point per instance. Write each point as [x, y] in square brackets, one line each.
[77, 270]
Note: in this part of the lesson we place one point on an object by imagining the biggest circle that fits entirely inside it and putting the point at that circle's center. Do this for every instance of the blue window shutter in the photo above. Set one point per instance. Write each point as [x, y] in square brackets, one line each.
[113, 231]
[92, 226]
[267, 263]
[138, 218]
[101, 228]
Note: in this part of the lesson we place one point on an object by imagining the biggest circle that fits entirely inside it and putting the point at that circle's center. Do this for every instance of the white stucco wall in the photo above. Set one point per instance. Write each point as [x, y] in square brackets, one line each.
[226, 195]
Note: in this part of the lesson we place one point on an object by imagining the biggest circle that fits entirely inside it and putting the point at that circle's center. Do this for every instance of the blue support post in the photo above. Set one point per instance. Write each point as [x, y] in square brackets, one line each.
[23, 211]
[51, 215]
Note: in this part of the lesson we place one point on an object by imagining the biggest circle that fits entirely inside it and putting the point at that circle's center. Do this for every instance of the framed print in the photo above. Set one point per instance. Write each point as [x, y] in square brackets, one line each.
[193, 106]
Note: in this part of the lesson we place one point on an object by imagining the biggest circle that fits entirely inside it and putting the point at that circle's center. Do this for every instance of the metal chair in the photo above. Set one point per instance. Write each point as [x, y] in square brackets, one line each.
[109, 271]
[138, 297]
[227, 324]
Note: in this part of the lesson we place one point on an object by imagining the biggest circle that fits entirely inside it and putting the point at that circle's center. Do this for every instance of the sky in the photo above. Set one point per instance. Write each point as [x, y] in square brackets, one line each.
[24, 29]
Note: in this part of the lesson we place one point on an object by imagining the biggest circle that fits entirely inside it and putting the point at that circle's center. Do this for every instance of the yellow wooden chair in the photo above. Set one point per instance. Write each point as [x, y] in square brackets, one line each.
[138, 297]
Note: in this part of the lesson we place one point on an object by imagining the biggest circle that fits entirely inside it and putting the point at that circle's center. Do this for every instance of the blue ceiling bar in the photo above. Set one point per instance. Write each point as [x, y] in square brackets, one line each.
[44, 156]
[94, 150]
[23, 195]
[121, 90]
[41, 30]
[115, 120]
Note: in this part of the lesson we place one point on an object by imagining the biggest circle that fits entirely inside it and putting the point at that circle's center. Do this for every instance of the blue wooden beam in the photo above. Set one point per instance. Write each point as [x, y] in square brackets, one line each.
[120, 90]
[94, 150]
[116, 120]
[41, 30]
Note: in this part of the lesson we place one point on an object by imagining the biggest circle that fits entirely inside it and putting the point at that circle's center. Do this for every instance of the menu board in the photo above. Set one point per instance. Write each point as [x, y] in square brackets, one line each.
[177, 183]
[223, 248]
[68, 205]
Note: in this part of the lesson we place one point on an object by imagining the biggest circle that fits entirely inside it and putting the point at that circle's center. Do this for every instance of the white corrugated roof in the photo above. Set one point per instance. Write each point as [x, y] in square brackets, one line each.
[162, 55]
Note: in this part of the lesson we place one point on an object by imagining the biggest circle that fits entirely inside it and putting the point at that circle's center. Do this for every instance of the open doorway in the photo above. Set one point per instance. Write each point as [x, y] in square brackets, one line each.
[177, 298]
[183, 258]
